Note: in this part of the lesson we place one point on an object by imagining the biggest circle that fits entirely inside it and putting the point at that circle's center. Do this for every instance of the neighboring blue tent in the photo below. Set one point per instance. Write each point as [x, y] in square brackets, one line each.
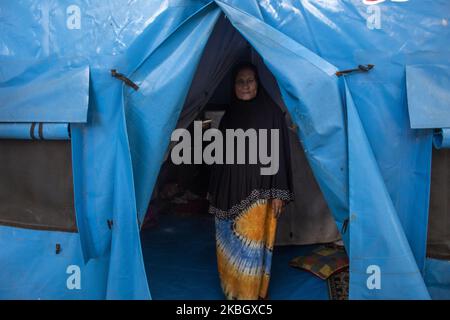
[372, 166]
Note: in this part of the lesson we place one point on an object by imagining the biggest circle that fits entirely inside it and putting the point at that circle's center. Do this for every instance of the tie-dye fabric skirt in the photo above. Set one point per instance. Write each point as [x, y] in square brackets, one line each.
[244, 252]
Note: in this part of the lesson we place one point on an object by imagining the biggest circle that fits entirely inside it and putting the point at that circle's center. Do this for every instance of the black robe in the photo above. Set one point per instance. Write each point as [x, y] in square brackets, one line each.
[235, 187]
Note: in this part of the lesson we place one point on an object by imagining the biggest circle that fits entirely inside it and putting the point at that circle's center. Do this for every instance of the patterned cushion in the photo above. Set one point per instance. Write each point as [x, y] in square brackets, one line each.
[338, 285]
[322, 261]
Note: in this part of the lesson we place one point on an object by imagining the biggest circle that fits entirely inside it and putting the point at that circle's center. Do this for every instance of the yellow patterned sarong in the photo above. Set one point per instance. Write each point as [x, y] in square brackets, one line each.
[244, 252]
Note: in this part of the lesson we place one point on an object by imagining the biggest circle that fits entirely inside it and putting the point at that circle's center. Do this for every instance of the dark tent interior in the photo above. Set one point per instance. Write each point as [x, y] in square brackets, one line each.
[438, 242]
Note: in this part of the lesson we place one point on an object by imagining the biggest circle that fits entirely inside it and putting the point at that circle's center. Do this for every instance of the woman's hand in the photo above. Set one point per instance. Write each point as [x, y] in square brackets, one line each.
[278, 207]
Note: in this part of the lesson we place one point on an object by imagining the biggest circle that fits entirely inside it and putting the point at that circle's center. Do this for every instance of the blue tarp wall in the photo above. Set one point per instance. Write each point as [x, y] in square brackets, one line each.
[373, 168]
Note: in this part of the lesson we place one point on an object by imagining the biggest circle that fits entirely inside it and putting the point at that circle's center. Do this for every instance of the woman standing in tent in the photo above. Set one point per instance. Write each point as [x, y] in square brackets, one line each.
[246, 204]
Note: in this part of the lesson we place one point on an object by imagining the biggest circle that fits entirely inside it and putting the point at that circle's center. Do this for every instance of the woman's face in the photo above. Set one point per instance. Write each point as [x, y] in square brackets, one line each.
[245, 84]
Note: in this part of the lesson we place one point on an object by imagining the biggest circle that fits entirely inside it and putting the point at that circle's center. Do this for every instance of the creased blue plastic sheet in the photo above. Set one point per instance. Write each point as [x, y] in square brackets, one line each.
[153, 110]
[157, 46]
[36, 131]
[43, 91]
[428, 88]
[32, 270]
[393, 271]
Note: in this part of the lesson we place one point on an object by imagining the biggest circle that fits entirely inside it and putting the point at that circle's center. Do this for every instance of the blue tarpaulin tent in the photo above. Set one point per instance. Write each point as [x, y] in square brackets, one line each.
[367, 136]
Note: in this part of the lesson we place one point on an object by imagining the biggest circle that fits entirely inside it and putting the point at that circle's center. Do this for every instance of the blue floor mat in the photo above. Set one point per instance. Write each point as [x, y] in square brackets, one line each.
[437, 278]
[180, 261]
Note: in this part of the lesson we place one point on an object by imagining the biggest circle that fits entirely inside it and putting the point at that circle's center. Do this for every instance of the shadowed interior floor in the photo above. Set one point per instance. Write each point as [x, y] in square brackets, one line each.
[180, 260]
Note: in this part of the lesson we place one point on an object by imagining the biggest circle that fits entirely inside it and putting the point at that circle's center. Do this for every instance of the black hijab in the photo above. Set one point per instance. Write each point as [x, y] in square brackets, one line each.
[235, 187]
